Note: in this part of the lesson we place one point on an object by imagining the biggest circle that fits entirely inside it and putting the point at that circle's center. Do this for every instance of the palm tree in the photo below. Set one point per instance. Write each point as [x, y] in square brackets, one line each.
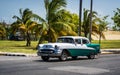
[54, 25]
[71, 20]
[103, 23]
[14, 28]
[25, 23]
[52, 6]
[102, 26]
[85, 25]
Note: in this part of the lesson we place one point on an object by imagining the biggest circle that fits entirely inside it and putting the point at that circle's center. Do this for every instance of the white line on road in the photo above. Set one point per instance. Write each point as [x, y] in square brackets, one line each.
[79, 69]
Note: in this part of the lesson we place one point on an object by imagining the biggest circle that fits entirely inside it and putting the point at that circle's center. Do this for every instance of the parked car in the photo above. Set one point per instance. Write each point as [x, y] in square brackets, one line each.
[68, 46]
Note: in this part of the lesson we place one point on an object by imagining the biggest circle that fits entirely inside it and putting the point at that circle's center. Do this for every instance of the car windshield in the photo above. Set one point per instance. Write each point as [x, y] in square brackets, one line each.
[65, 40]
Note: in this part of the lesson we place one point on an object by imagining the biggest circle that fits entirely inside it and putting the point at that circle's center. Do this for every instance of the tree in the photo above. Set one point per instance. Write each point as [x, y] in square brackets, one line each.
[102, 26]
[25, 23]
[13, 29]
[103, 23]
[52, 6]
[54, 25]
[85, 24]
[116, 19]
[70, 19]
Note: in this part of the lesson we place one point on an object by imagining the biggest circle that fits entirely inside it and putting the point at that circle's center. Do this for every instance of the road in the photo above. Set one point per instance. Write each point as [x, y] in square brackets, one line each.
[105, 65]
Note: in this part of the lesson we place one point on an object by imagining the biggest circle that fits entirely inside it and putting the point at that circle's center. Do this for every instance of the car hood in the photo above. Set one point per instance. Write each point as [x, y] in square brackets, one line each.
[60, 45]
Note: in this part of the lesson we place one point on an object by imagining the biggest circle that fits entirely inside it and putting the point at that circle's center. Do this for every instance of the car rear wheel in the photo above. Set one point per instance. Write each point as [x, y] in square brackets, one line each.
[97, 56]
[45, 58]
[92, 56]
[63, 56]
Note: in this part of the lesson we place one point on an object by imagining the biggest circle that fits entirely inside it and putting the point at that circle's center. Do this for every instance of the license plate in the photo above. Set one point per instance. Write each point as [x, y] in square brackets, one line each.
[45, 54]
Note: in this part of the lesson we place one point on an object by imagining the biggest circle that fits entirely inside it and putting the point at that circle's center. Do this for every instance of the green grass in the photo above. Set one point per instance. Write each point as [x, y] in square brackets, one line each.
[109, 44]
[19, 46]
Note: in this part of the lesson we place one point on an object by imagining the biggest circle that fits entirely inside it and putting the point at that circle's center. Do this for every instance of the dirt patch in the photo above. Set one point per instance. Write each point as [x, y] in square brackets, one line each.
[109, 35]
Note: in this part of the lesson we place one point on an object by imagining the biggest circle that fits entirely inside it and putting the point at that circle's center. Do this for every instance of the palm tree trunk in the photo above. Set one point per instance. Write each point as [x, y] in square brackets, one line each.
[28, 39]
[2, 37]
[85, 33]
[40, 41]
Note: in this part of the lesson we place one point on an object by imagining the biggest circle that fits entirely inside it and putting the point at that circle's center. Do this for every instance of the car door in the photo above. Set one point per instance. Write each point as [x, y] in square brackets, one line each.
[79, 47]
[86, 50]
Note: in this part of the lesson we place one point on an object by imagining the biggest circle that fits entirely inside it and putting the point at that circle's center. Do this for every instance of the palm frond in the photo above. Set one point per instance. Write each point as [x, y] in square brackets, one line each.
[23, 27]
[36, 17]
[16, 17]
[46, 2]
[53, 35]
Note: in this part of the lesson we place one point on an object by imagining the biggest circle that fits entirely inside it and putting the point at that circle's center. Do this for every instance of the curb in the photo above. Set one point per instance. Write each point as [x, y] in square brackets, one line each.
[110, 51]
[17, 54]
[103, 52]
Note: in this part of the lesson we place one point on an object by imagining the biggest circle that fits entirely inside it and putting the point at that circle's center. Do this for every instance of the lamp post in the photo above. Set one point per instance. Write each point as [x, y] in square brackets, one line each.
[80, 16]
[90, 30]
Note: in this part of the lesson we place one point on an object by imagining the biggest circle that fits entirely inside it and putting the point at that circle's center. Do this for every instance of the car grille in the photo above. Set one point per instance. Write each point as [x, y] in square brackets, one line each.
[47, 51]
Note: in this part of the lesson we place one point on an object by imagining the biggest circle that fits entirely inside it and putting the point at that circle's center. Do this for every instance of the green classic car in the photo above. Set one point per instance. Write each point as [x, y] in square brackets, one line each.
[68, 46]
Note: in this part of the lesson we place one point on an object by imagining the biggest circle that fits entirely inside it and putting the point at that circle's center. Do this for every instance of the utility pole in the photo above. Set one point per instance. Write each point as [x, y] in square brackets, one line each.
[90, 30]
[80, 16]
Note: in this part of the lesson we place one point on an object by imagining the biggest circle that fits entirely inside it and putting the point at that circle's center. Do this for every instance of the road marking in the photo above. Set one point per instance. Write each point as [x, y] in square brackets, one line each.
[79, 69]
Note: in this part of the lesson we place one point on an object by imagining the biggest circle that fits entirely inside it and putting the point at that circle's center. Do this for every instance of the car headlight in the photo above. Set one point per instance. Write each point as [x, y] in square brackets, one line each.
[39, 47]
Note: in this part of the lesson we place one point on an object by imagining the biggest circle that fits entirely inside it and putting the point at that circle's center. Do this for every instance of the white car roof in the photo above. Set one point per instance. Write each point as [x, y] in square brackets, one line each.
[74, 37]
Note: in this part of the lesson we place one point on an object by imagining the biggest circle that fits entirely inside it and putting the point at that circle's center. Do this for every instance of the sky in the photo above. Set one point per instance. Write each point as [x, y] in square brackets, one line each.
[9, 8]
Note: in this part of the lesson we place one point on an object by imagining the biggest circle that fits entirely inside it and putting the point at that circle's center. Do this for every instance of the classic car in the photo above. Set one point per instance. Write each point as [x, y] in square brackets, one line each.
[68, 46]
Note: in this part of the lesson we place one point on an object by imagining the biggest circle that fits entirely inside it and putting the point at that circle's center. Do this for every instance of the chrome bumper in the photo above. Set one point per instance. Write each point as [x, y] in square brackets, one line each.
[48, 54]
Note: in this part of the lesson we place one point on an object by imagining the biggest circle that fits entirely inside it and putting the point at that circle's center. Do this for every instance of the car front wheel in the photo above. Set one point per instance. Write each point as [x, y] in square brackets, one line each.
[63, 56]
[45, 58]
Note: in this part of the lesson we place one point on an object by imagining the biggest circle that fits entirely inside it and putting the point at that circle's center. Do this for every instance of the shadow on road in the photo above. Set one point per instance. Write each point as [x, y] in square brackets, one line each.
[57, 60]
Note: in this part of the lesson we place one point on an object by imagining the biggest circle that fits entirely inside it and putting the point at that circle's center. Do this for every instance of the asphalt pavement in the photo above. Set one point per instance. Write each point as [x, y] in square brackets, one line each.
[108, 64]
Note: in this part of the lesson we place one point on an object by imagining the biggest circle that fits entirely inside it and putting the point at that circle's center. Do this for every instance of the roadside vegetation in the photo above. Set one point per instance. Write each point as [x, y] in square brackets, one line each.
[109, 44]
[20, 47]
[32, 29]
[17, 47]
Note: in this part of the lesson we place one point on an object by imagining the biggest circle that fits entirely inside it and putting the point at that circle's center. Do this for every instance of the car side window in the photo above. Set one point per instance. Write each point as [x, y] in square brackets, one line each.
[85, 41]
[78, 41]
[69, 40]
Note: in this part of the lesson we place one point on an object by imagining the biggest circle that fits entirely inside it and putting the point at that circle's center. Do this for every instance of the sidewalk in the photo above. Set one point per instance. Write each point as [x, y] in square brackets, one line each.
[17, 54]
[110, 51]
[103, 51]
